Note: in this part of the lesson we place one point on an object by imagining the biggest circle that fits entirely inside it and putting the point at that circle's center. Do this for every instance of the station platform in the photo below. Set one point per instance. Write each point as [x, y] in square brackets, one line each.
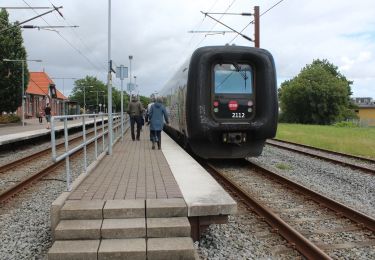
[32, 129]
[159, 201]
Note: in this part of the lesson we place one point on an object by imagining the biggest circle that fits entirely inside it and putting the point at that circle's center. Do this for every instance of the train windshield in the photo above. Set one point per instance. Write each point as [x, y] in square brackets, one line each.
[233, 78]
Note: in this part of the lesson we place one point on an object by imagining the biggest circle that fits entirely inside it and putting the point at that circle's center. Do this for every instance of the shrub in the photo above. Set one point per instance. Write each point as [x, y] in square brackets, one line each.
[345, 124]
[5, 119]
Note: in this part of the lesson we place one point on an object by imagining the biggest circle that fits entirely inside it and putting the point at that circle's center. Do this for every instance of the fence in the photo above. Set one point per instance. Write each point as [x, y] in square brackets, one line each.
[364, 122]
[94, 119]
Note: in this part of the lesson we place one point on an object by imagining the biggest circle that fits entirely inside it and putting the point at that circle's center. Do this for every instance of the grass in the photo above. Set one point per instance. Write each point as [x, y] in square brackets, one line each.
[357, 141]
[283, 166]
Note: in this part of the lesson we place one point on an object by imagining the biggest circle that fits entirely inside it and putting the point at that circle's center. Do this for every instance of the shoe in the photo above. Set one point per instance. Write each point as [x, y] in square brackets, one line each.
[138, 139]
[133, 139]
[159, 145]
[153, 146]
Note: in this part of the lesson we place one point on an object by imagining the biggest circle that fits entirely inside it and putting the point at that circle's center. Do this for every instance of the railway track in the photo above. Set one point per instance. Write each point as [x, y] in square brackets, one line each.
[318, 227]
[45, 167]
[355, 162]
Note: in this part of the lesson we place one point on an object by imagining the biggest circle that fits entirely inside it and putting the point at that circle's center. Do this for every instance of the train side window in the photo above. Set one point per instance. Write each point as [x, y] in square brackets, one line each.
[233, 78]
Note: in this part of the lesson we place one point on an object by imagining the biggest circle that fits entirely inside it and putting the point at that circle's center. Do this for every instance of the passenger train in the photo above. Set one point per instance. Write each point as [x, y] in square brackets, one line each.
[222, 103]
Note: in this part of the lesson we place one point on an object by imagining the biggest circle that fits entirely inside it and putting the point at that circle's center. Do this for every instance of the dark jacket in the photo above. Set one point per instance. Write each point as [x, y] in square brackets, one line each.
[157, 114]
[135, 108]
[47, 111]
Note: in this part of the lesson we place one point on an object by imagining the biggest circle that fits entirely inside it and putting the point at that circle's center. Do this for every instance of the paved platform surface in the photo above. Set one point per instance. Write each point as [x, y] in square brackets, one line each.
[133, 171]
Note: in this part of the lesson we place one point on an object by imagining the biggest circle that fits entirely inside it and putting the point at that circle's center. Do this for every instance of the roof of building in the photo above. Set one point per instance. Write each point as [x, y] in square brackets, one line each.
[39, 85]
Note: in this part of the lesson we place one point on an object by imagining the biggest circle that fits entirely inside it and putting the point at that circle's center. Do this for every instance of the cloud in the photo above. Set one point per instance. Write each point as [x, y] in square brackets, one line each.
[155, 33]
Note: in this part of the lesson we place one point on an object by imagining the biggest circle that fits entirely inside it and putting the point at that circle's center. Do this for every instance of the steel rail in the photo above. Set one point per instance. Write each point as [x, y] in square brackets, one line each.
[361, 158]
[297, 240]
[14, 164]
[341, 209]
[337, 161]
[8, 193]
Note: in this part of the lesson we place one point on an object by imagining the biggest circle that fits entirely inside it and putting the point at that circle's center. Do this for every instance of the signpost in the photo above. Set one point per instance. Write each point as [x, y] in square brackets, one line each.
[122, 73]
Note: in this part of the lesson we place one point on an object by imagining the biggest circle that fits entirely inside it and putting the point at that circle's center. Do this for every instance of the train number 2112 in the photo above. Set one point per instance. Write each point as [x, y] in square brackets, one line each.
[238, 115]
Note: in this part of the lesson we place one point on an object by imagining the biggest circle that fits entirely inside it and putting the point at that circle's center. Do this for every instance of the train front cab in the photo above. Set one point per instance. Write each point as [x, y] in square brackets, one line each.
[235, 101]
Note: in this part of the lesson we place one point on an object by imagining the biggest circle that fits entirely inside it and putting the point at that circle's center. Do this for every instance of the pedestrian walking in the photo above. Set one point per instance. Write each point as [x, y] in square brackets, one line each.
[135, 110]
[40, 115]
[152, 99]
[147, 116]
[157, 115]
[47, 113]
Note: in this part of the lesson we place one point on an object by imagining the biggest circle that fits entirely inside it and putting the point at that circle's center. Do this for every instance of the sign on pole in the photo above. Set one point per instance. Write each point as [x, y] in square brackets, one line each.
[121, 72]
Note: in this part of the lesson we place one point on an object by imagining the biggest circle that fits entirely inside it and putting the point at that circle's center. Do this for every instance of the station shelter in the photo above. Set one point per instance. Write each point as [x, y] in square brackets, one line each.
[38, 95]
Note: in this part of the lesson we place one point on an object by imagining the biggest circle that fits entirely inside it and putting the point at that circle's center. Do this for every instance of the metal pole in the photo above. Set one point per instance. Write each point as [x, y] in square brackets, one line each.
[256, 27]
[84, 99]
[109, 83]
[122, 111]
[67, 163]
[63, 98]
[97, 99]
[23, 93]
[130, 78]
[96, 138]
[85, 144]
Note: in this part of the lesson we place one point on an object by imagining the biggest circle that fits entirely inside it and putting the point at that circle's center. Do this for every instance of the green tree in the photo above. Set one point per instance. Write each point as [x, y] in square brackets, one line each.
[11, 46]
[96, 92]
[90, 88]
[319, 94]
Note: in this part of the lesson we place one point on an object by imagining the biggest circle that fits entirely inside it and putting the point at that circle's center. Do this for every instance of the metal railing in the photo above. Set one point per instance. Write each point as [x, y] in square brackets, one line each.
[87, 119]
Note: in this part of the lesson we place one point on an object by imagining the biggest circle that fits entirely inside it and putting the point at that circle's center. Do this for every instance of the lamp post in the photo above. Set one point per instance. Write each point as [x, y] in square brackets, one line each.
[135, 82]
[130, 72]
[104, 105]
[84, 97]
[97, 95]
[23, 85]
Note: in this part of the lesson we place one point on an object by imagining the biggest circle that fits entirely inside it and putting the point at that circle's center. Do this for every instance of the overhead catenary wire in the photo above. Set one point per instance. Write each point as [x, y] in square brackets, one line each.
[253, 20]
[201, 22]
[213, 26]
[68, 42]
[89, 50]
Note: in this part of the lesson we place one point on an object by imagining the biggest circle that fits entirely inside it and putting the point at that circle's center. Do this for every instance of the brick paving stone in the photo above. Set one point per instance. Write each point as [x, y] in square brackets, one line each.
[133, 171]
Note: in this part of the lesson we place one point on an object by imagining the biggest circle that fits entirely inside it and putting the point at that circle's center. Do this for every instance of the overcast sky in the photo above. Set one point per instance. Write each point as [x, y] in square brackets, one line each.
[156, 34]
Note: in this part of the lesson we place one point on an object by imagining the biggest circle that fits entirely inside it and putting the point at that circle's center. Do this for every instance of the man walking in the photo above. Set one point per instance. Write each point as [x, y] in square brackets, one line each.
[135, 110]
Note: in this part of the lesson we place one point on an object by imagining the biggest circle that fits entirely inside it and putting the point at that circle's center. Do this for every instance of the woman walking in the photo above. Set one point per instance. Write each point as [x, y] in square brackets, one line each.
[157, 114]
[40, 115]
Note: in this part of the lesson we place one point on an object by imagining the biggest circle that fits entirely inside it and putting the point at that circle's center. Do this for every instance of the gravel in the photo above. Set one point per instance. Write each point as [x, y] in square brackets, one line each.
[350, 187]
[25, 220]
[244, 237]
[26, 234]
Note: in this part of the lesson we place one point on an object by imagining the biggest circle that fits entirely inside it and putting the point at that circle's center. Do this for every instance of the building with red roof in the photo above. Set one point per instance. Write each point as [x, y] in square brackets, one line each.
[38, 95]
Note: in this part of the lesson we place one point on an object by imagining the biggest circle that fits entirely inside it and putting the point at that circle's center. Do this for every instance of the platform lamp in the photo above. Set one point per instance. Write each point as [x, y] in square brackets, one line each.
[130, 72]
[84, 96]
[23, 84]
[97, 96]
